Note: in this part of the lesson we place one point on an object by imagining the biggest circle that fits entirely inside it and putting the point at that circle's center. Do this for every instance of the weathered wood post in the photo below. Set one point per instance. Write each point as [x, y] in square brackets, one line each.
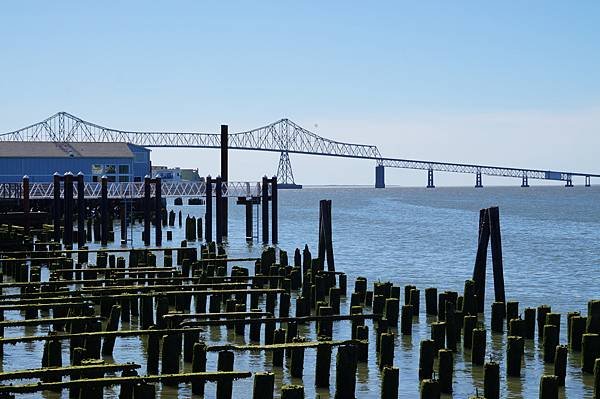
[225, 363]
[56, 208]
[265, 209]
[198, 365]
[264, 384]
[481, 259]
[249, 220]
[158, 210]
[431, 301]
[430, 389]
[496, 242]
[81, 235]
[208, 217]
[219, 209]
[389, 383]
[68, 210]
[274, 211]
[426, 359]
[25, 206]
[446, 368]
[491, 380]
[104, 211]
[514, 356]
[323, 365]
[345, 372]
[590, 348]
[146, 211]
[560, 364]
[224, 178]
[550, 342]
[386, 350]
[479, 344]
[549, 387]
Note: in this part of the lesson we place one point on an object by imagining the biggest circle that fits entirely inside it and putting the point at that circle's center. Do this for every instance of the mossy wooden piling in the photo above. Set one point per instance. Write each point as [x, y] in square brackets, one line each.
[345, 372]
[491, 380]
[549, 387]
[389, 383]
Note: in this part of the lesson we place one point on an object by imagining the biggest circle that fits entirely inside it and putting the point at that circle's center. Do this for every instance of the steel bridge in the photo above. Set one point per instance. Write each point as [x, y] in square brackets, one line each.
[283, 136]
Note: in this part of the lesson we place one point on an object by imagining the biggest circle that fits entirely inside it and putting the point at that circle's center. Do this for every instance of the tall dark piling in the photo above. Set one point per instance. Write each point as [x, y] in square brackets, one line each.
[426, 359]
[323, 364]
[345, 372]
[496, 243]
[479, 344]
[498, 312]
[491, 380]
[264, 384]
[208, 218]
[514, 356]
[158, 210]
[549, 387]
[147, 206]
[389, 383]
[431, 301]
[577, 329]
[445, 370]
[386, 350]
[542, 311]
[550, 342]
[225, 363]
[430, 389]
[590, 348]
[560, 364]
[265, 209]
[198, 365]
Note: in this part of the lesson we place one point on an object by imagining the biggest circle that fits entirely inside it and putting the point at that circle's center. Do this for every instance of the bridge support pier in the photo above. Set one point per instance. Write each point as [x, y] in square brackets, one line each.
[208, 214]
[525, 181]
[478, 183]
[430, 179]
[569, 181]
[588, 181]
[379, 176]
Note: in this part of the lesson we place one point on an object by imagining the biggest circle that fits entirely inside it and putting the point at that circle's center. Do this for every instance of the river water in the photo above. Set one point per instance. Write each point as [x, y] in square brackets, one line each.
[424, 237]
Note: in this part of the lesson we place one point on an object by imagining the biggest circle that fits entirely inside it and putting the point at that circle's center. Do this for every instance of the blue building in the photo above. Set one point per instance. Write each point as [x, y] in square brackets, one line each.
[120, 162]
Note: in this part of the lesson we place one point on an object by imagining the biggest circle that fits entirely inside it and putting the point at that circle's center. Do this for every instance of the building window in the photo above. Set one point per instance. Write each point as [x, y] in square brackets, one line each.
[124, 169]
[123, 179]
[95, 179]
[110, 169]
[97, 169]
[112, 179]
[137, 179]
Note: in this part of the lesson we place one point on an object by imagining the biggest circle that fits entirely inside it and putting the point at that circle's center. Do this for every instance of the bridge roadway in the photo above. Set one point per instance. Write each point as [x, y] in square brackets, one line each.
[283, 136]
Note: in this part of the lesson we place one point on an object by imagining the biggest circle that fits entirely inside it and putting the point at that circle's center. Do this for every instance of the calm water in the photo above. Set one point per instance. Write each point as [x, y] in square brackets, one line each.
[551, 247]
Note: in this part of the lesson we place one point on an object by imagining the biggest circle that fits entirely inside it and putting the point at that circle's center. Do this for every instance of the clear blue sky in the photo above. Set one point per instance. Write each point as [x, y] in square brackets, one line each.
[511, 83]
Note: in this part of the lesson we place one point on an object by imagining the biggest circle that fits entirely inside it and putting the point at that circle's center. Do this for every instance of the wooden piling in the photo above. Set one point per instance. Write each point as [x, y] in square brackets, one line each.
[445, 370]
[292, 392]
[577, 330]
[297, 359]
[590, 348]
[406, 319]
[469, 324]
[560, 364]
[542, 311]
[389, 383]
[264, 384]
[345, 373]
[479, 345]
[430, 389]
[438, 335]
[514, 356]
[426, 359]
[549, 387]
[550, 342]
[225, 363]
[386, 350]
[198, 365]
[491, 380]
[278, 338]
[323, 365]
[529, 323]
[498, 313]
[431, 301]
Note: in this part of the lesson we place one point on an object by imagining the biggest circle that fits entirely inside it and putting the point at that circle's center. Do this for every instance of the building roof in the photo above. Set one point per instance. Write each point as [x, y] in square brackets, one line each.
[48, 149]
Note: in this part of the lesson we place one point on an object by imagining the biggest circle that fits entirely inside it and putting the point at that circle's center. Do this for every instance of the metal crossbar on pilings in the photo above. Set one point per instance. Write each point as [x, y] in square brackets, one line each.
[134, 190]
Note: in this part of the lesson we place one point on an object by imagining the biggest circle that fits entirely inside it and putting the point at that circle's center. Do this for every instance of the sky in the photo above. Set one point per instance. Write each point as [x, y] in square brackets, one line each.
[508, 83]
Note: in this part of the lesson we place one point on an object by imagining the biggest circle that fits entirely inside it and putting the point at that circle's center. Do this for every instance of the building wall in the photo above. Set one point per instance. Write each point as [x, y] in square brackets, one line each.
[12, 169]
